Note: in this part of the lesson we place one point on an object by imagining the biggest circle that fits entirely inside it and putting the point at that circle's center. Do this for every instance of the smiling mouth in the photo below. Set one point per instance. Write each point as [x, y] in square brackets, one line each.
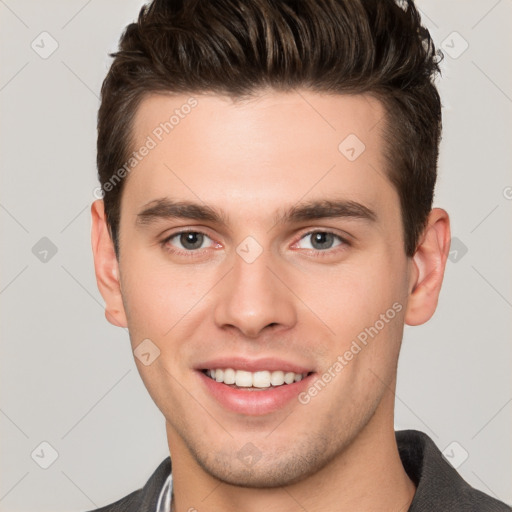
[254, 381]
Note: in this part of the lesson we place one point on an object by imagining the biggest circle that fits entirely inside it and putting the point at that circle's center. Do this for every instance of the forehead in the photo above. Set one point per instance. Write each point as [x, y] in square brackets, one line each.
[273, 148]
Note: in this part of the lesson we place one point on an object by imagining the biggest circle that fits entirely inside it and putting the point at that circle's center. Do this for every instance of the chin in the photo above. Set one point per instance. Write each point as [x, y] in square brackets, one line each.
[250, 468]
[263, 475]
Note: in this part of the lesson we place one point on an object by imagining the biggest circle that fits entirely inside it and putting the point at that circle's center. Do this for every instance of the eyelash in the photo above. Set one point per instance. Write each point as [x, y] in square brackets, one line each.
[316, 253]
[189, 254]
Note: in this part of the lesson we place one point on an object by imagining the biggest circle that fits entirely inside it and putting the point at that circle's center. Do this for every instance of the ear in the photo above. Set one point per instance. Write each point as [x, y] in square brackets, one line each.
[106, 266]
[429, 262]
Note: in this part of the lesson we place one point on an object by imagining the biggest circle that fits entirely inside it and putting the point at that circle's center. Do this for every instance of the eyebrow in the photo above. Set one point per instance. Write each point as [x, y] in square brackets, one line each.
[165, 209]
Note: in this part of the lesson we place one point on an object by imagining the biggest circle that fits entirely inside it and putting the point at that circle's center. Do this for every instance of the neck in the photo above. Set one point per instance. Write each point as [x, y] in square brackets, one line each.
[367, 475]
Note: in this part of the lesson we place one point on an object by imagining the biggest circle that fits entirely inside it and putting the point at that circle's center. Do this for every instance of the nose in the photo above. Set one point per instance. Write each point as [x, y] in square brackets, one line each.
[254, 297]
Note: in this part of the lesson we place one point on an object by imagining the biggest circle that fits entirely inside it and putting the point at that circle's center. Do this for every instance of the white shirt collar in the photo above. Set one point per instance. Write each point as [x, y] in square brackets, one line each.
[164, 500]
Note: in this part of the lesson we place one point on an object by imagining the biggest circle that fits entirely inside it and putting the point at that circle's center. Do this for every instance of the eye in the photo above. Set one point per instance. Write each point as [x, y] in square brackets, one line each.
[188, 240]
[320, 241]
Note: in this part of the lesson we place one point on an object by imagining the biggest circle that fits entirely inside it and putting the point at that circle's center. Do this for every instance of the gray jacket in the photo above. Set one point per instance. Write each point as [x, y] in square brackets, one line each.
[438, 485]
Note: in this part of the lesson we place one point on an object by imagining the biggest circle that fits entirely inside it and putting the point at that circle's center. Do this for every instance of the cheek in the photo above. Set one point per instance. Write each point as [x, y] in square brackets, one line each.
[364, 301]
[352, 296]
[156, 295]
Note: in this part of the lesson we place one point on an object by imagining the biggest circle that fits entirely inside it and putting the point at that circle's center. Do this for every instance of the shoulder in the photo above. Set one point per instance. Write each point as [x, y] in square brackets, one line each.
[146, 498]
[438, 485]
[124, 504]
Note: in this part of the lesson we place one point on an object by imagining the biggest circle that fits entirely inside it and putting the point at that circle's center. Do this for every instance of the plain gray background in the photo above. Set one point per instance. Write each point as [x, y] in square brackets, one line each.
[68, 377]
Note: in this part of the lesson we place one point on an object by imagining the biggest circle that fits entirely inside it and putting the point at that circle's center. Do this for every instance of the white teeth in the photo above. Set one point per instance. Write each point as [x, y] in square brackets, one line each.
[289, 377]
[229, 376]
[260, 379]
[243, 379]
[277, 378]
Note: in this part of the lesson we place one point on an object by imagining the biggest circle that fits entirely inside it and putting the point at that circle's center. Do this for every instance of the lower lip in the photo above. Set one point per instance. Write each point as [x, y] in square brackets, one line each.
[254, 402]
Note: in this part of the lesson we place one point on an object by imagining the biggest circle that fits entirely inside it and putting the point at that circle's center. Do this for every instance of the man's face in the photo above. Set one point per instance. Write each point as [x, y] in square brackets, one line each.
[263, 284]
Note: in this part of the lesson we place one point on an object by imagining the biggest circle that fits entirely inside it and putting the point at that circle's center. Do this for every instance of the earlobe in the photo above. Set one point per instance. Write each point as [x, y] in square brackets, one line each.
[429, 262]
[106, 266]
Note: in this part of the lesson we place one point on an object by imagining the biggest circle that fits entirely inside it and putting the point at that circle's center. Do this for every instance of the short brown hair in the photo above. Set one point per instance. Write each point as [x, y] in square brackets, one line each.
[237, 47]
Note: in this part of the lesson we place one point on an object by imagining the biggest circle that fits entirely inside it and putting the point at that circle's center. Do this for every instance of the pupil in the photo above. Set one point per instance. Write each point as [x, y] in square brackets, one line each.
[322, 240]
[191, 240]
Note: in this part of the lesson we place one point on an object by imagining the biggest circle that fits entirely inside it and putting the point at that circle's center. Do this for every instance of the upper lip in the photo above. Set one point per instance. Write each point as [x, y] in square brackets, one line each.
[253, 365]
